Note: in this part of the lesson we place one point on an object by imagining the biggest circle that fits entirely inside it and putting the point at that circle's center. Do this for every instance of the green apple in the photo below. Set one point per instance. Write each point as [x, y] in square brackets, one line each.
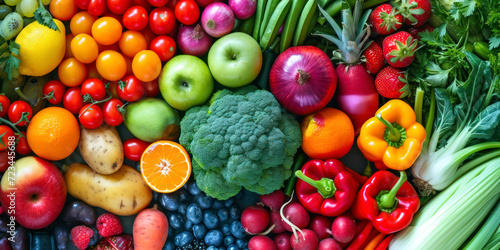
[185, 81]
[151, 119]
[235, 60]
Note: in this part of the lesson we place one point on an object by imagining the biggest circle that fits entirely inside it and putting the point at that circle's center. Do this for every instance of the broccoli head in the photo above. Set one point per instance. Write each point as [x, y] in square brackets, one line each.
[242, 138]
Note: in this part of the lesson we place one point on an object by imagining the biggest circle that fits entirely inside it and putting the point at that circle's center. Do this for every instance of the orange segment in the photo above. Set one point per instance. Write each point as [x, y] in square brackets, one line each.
[165, 166]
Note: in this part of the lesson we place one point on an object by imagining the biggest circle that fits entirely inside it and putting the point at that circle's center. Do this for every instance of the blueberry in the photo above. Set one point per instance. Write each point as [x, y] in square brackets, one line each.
[199, 231]
[235, 212]
[232, 247]
[223, 214]
[241, 243]
[182, 209]
[193, 188]
[183, 238]
[176, 220]
[188, 225]
[226, 229]
[228, 240]
[212, 248]
[194, 213]
[183, 195]
[204, 201]
[218, 204]
[210, 219]
[169, 201]
[169, 246]
[228, 202]
[95, 238]
[237, 230]
[213, 238]
[170, 232]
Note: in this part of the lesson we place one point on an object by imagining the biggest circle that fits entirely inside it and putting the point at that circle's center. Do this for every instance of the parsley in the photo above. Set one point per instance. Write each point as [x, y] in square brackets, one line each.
[43, 17]
[10, 60]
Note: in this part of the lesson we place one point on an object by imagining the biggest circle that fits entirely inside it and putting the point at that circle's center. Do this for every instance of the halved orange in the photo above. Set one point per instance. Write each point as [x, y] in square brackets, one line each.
[165, 166]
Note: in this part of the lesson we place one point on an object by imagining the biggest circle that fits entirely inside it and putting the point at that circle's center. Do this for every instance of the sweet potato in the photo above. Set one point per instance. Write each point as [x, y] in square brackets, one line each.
[150, 229]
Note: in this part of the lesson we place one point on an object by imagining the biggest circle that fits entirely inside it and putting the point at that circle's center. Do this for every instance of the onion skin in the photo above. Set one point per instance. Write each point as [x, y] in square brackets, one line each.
[356, 94]
[303, 79]
[193, 40]
[217, 19]
[243, 9]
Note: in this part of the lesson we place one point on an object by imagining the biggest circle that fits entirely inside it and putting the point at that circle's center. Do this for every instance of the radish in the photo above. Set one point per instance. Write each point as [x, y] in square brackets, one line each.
[296, 214]
[308, 240]
[283, 241]
[150, 229]
[321, 225]
[254, 219]
[329, 244]
[273, 200]
[261, 242]
[276, 222]
[343, 228]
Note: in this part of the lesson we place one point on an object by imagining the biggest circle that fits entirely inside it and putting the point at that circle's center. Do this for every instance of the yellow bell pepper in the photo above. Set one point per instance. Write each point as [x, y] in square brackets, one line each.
[393, 138]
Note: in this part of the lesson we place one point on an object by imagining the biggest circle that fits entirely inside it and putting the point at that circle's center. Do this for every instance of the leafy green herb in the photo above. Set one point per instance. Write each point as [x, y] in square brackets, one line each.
[44, 17]
[9, 58]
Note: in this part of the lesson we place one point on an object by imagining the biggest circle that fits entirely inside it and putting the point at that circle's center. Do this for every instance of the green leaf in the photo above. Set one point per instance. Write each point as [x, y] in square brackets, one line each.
[485, 125]
[43, 17]
[437, 76]
[494, 42]
[445, 118]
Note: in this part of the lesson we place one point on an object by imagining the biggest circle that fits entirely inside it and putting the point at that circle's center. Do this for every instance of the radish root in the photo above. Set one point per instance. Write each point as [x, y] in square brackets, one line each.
[294, 228]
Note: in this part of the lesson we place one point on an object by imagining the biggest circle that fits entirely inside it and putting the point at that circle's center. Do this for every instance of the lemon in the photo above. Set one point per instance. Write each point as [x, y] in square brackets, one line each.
[42, 48]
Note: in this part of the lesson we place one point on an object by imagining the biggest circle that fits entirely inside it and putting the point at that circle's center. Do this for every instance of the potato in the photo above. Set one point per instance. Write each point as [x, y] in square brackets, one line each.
[122, 193]
[102, 149]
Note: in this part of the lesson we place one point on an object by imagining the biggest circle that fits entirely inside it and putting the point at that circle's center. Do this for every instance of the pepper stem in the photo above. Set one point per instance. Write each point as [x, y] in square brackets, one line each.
[394, 135]
[387, 200]
[325, 186]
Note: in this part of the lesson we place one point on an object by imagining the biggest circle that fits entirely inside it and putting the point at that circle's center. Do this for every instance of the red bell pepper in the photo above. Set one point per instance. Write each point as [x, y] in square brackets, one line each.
[326, 187]
[362, 237]
[387, 201]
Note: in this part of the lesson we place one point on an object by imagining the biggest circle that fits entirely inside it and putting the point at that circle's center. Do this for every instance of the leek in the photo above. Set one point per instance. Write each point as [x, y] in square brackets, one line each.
[448, 219]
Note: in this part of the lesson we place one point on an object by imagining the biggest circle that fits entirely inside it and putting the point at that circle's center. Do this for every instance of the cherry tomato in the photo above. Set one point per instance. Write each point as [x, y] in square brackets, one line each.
[162, 20]
[53, 91]
[144, 4]
[132, 42]
[91, 117]
[82, 22]
[112, 89]
[97, 7]
[106, 30]
[5, 133]
[4, 160]
[164, 47]
[68, 53]
[4, 105]
[84, 48]
[128, 61]
[17, 110]
[118, 6]
[112, 110]
[63, 10]
[130, 89]
[146, 65]
[92, 71]
[22, 146]
[94, 88]
[73, 100]
[148, 34]
[82, 4]
[111, 65]
[152, 88]
[187, 12]
[133, 148]
[157, 3]
[72, 72]
[113, 46]
[172, 3]
[135, 18]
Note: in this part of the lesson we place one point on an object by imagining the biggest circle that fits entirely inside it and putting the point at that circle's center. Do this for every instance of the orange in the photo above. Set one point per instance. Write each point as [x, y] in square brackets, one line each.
[165, 166]
[326, 134]
[53, 133]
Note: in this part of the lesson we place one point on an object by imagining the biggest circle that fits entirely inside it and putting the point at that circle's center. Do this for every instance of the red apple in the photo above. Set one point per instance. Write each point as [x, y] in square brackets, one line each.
[35, 194]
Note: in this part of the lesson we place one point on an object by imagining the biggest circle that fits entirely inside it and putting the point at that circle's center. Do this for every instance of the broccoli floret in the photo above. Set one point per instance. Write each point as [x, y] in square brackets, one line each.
[242, 139]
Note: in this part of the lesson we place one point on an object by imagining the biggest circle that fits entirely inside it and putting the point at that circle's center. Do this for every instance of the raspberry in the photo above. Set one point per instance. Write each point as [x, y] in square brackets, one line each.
[80, 236]
[109, 225]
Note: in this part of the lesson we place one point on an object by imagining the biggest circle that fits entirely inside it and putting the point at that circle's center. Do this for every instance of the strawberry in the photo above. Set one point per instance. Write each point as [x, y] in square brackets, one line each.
[392, 83]
[109, 225]
[385, 20]
[415, 12]
[80, 236]
[414, 31]
[399, 49]
[374, 59]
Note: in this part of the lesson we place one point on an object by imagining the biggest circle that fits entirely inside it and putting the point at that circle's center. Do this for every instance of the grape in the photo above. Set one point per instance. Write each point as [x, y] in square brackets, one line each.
[28, 7]
[11, 2]
[46, 2]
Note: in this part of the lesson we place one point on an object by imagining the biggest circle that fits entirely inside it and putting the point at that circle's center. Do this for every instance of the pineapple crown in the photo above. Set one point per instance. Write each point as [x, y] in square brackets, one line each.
[352, 39]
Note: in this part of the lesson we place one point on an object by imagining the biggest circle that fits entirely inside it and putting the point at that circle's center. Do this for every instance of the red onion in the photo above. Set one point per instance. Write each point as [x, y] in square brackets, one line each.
[193, 40]
[243, 9]
[303, 79]
[217, 19]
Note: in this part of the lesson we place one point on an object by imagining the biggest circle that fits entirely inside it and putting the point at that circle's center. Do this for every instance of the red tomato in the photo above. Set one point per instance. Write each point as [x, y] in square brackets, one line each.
[4, 160]
[94, 88]
[152, 88]
[97, 7]
[73, 100]
[53, 91]
[135, 18]
[6, 134]
[162, 20]
[187, 12]
[17, 110]
[113, 112]
[164, 47]
[148, 34]
[22, 146]
[130, 89]
[118, 6]
[82, 4]
[143, 3]
[158, 3]
[91, 117]
[133, 148]
[63, 10]
[205, 3]
[4, 105]
[172, 3]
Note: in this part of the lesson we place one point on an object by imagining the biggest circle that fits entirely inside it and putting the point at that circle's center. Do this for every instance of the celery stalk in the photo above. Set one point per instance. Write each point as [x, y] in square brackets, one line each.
[484, 234]
[494, 242]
